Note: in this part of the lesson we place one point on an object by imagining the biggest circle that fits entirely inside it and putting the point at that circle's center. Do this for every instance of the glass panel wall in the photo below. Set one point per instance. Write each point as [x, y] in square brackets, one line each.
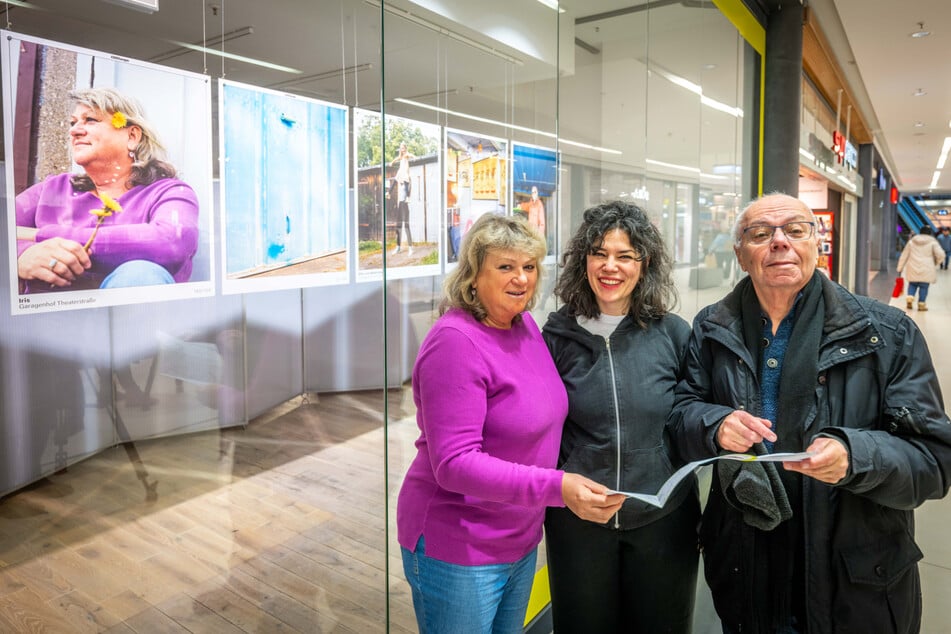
[226, 450]
[205, 455]
[633, 103]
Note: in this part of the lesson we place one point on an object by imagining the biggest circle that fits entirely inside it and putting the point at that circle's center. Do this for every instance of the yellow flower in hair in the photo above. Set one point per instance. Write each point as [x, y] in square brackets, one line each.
[109, 206]
[119, 120]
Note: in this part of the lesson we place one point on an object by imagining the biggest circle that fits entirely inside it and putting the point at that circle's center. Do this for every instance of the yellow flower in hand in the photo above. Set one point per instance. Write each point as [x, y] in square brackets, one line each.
[109, 207]
[109, 204]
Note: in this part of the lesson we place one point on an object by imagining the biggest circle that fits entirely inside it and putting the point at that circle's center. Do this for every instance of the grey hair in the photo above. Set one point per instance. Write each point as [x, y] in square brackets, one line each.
[740, 220]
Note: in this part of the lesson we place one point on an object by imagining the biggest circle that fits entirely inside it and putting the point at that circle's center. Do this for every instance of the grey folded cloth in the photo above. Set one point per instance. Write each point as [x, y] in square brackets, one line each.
[755, 489]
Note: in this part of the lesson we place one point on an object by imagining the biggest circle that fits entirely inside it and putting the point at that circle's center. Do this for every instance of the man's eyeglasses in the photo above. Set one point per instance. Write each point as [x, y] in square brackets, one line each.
[763, 234]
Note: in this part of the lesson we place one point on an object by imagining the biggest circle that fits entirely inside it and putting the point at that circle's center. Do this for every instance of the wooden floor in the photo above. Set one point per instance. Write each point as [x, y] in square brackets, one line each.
[277, 527]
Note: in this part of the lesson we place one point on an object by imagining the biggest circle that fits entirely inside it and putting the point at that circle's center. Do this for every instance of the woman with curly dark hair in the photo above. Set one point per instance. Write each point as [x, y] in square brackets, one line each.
[619, 351]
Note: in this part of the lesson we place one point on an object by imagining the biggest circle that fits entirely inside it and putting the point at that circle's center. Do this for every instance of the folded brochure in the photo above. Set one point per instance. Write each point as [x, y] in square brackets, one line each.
[661, 498]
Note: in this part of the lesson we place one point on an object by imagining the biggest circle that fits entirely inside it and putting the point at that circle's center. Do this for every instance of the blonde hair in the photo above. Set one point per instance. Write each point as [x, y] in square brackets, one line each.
[490, 232]
[149, 163]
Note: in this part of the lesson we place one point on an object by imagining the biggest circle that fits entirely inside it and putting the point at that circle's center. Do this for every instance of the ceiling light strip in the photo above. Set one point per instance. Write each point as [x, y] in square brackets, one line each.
[330, 74]
[942, 159]
[511, 126]
[215, 41]
[686, 168]
[239, 58]
[441, 30]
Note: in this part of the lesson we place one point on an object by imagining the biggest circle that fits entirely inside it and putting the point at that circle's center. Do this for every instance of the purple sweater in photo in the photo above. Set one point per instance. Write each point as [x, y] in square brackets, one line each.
[158, 223]
[490, 408]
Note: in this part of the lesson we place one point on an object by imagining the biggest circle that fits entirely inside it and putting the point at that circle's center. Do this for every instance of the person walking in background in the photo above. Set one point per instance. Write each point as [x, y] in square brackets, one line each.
[490, 408]
[619, 350]
[944, 239]
[790, 361]
[721, 248]
[917, 265]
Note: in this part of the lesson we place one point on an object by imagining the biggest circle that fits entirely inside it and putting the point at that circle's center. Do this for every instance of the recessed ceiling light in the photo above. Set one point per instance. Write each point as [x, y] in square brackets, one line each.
[919, 124]
[921, 92]
[921, 32]
[552, 4]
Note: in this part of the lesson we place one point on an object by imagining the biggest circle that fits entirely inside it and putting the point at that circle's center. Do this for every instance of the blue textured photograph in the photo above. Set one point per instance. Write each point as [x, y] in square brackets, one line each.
[283, 190]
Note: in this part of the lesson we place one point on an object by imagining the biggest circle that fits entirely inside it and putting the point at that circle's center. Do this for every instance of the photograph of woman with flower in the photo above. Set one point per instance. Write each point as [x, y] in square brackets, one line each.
[125, 221]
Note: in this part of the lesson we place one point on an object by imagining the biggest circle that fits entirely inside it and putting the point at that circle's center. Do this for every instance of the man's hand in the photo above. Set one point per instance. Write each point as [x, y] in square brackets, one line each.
[830, 464]
[740, 430]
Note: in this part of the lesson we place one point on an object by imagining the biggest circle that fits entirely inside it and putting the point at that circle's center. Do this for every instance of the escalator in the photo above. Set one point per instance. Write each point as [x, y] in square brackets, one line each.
[913, 216]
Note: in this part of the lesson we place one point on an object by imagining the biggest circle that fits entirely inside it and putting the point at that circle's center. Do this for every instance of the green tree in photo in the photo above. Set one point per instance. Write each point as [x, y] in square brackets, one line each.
[397, 131]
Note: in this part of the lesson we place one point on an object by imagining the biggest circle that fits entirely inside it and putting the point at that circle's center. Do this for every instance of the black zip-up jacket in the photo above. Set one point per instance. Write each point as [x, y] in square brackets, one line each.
[877, 392]
[620, 392]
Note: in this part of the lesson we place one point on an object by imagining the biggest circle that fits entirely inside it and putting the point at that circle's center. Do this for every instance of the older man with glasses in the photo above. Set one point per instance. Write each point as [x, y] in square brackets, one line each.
[790, 361]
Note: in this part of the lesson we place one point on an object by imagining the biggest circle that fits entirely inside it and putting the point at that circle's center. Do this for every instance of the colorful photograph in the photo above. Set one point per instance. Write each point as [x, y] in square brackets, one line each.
[108, 180]
[399, 200]
[534, 182]
[476, 183]
[280, 230]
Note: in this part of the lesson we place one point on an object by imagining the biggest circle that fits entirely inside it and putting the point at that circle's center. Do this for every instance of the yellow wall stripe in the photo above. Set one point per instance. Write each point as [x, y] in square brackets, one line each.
[755, 34]
[541, 595]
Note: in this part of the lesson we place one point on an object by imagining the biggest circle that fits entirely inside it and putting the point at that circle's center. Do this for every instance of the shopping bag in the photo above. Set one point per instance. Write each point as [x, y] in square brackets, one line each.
[899, 286]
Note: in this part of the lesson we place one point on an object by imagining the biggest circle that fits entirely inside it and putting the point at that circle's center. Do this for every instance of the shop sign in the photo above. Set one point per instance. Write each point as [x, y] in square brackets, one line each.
[838, 146]
[851, 156]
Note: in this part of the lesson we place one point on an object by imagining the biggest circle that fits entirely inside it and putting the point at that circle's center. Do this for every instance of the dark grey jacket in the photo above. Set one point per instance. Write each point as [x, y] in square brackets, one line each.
[620, 392]
[877, 391]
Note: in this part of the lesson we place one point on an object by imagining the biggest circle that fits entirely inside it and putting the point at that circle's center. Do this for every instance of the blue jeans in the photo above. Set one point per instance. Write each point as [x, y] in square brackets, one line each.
[450, 598]
[137, 273]
[921, 287]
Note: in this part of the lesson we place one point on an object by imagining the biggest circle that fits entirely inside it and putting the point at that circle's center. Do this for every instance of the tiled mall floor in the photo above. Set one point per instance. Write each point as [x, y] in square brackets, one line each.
[934, 517]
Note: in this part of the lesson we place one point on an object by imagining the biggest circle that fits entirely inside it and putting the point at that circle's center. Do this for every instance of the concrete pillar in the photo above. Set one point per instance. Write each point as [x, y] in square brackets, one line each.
[783, 97]
[860, 251]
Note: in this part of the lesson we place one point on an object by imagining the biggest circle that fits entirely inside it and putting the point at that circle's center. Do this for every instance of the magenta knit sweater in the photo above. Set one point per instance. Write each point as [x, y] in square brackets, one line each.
[158, 222]
[490, 408]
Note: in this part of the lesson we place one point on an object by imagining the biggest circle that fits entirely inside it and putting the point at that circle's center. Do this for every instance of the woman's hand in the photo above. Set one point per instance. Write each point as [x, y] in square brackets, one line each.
[588, 500]
[56, 261]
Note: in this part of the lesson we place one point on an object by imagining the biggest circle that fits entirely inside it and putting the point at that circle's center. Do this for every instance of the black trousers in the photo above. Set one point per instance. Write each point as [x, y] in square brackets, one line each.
[640, 580]
[402, 221]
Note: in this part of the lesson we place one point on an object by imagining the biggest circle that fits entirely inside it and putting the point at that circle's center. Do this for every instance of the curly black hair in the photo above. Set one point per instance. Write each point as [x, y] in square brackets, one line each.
[654, 294]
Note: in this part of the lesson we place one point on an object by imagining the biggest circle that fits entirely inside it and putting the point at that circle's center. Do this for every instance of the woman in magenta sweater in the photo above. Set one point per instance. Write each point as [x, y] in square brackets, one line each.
[126, 220]
[490, 407]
